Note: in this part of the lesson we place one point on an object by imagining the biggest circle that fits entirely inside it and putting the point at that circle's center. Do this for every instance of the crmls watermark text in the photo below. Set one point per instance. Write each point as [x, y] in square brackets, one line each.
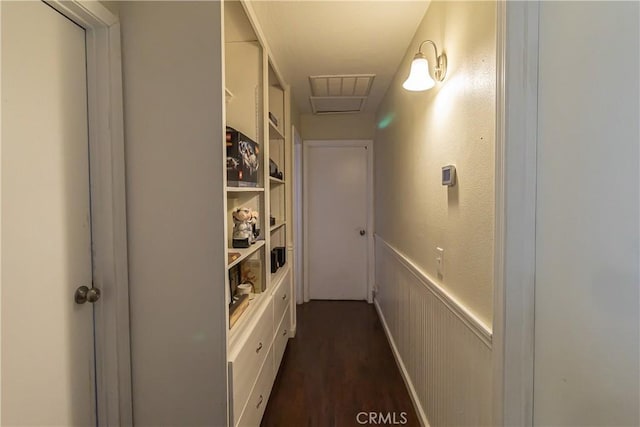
[381, 418]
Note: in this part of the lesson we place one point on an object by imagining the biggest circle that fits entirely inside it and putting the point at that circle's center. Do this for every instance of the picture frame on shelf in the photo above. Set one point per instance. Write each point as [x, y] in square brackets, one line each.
[251, 272]
[234, 279]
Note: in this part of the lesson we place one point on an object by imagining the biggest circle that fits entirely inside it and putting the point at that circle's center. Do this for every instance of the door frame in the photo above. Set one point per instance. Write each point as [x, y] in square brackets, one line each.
[517, 43]
[296, 143]
[368, 144]
[108, 207]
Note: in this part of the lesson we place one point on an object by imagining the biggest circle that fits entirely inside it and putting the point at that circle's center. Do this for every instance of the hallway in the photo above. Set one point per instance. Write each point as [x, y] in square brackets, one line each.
[338, 365]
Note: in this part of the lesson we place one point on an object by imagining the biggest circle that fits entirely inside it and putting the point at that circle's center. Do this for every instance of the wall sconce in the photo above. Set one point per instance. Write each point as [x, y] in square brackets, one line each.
[419, 78]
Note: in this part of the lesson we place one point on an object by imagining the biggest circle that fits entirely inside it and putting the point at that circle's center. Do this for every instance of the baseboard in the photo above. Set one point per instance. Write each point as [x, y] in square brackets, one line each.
[422, 417]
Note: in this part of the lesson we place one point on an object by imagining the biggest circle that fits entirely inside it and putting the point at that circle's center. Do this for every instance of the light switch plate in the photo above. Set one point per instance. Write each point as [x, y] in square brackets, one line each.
[440, 261]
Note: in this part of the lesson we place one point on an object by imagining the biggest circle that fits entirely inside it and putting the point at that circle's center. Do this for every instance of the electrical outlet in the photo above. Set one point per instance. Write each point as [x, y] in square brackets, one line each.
[440, 262]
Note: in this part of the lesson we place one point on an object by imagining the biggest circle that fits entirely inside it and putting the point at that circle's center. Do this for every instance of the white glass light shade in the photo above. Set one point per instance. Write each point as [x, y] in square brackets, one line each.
[419, 78]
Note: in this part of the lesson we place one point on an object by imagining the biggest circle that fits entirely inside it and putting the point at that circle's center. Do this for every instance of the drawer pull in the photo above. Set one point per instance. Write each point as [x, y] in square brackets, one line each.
[284, 297]
[259, 402]
[284, 332]
[259, 348]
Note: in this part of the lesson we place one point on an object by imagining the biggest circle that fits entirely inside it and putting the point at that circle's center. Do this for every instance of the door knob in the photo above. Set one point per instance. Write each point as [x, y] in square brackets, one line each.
[84, 294]
[362, 232]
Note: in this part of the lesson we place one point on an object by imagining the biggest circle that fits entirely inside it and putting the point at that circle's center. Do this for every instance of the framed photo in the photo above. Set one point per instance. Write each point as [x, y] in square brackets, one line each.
[251, 272]
[234, 279]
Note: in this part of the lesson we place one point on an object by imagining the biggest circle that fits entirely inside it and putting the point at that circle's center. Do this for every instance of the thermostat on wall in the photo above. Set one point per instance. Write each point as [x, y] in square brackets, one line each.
[449, 175]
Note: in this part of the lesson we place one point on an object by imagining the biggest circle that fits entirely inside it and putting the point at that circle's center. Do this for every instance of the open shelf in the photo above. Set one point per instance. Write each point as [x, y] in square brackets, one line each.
[274, 132]
[278, 225]
[244, 253]
[273, 180]
[245, 189]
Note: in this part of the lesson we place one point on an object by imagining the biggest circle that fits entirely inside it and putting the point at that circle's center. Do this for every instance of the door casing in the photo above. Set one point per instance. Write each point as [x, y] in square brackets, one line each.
[515, 212]
[370, 216]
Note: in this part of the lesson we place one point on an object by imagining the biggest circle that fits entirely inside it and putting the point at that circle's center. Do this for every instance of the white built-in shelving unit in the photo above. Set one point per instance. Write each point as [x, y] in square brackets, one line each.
[254, 94]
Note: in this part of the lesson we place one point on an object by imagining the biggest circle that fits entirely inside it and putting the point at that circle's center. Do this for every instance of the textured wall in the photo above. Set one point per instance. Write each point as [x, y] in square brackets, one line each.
[337, 126]
[453, 123]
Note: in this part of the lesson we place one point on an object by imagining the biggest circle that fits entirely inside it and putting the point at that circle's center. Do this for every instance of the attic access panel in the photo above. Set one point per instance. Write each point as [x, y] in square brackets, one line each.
[338, 94]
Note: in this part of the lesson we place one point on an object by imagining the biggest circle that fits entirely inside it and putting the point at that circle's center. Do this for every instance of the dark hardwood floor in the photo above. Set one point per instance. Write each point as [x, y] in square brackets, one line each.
[337, 367]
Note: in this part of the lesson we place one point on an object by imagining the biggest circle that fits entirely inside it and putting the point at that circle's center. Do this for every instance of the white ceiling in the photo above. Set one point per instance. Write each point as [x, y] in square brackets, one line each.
[338, 37]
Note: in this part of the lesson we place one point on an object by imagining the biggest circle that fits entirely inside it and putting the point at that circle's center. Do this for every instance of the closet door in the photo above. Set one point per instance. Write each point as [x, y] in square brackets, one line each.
[336, 199]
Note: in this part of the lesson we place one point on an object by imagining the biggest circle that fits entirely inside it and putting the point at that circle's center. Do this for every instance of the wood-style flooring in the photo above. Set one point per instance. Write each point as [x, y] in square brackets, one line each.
[337, 367]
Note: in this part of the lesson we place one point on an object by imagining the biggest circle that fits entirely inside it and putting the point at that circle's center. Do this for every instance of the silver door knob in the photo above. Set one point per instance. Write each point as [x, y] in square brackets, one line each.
[362, 232]
[84, 294]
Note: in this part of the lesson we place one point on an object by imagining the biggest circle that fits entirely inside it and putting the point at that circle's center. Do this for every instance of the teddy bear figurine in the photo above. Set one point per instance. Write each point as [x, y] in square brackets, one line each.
[244, 220]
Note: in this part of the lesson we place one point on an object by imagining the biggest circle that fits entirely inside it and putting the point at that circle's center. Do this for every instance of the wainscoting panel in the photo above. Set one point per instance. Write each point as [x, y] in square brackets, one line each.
[444, 352]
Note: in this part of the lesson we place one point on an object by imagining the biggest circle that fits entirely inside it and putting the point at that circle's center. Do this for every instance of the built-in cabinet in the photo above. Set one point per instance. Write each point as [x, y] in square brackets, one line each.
[260, 324]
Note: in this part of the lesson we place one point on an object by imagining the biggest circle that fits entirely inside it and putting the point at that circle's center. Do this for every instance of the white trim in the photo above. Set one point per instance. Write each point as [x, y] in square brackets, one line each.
[108, 206]
[1, 329]
[305, 227]
[481, 330]
[368, 144]
[297, 213]
[403, 370]
[515, 233]
[497, 356]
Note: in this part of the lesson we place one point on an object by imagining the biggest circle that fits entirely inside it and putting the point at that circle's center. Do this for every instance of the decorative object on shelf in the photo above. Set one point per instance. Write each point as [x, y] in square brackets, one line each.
[272, 220]
[232, 256]
[273, 168]
[274, 261]
[243, 159]
[281, 255]
[251, 273]
[239, 304]
[243, 227]
[273, 118]
[419, 78]
[244, 289]
[234, 279]
[274, 171]
[255, 224]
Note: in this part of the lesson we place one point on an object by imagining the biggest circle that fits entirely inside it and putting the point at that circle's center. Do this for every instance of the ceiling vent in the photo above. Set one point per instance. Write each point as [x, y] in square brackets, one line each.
[340, 94]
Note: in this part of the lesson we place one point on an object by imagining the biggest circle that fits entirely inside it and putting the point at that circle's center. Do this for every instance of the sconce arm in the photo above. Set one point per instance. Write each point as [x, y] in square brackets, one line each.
[441, 60]
[432, 44]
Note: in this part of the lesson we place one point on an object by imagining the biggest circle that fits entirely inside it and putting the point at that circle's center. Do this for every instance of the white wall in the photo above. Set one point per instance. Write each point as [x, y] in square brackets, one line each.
[419, 132]
[337, 126]
[173, 135]
[587, 280]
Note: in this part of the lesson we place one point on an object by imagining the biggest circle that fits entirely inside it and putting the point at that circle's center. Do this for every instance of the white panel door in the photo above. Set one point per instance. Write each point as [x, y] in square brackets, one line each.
[336, 199]
[47, 339]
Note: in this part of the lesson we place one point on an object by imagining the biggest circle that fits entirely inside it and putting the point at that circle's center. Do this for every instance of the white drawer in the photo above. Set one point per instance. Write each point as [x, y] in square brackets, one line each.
[280, 339]
[246, 364]
[259, 396]
[282, 297]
